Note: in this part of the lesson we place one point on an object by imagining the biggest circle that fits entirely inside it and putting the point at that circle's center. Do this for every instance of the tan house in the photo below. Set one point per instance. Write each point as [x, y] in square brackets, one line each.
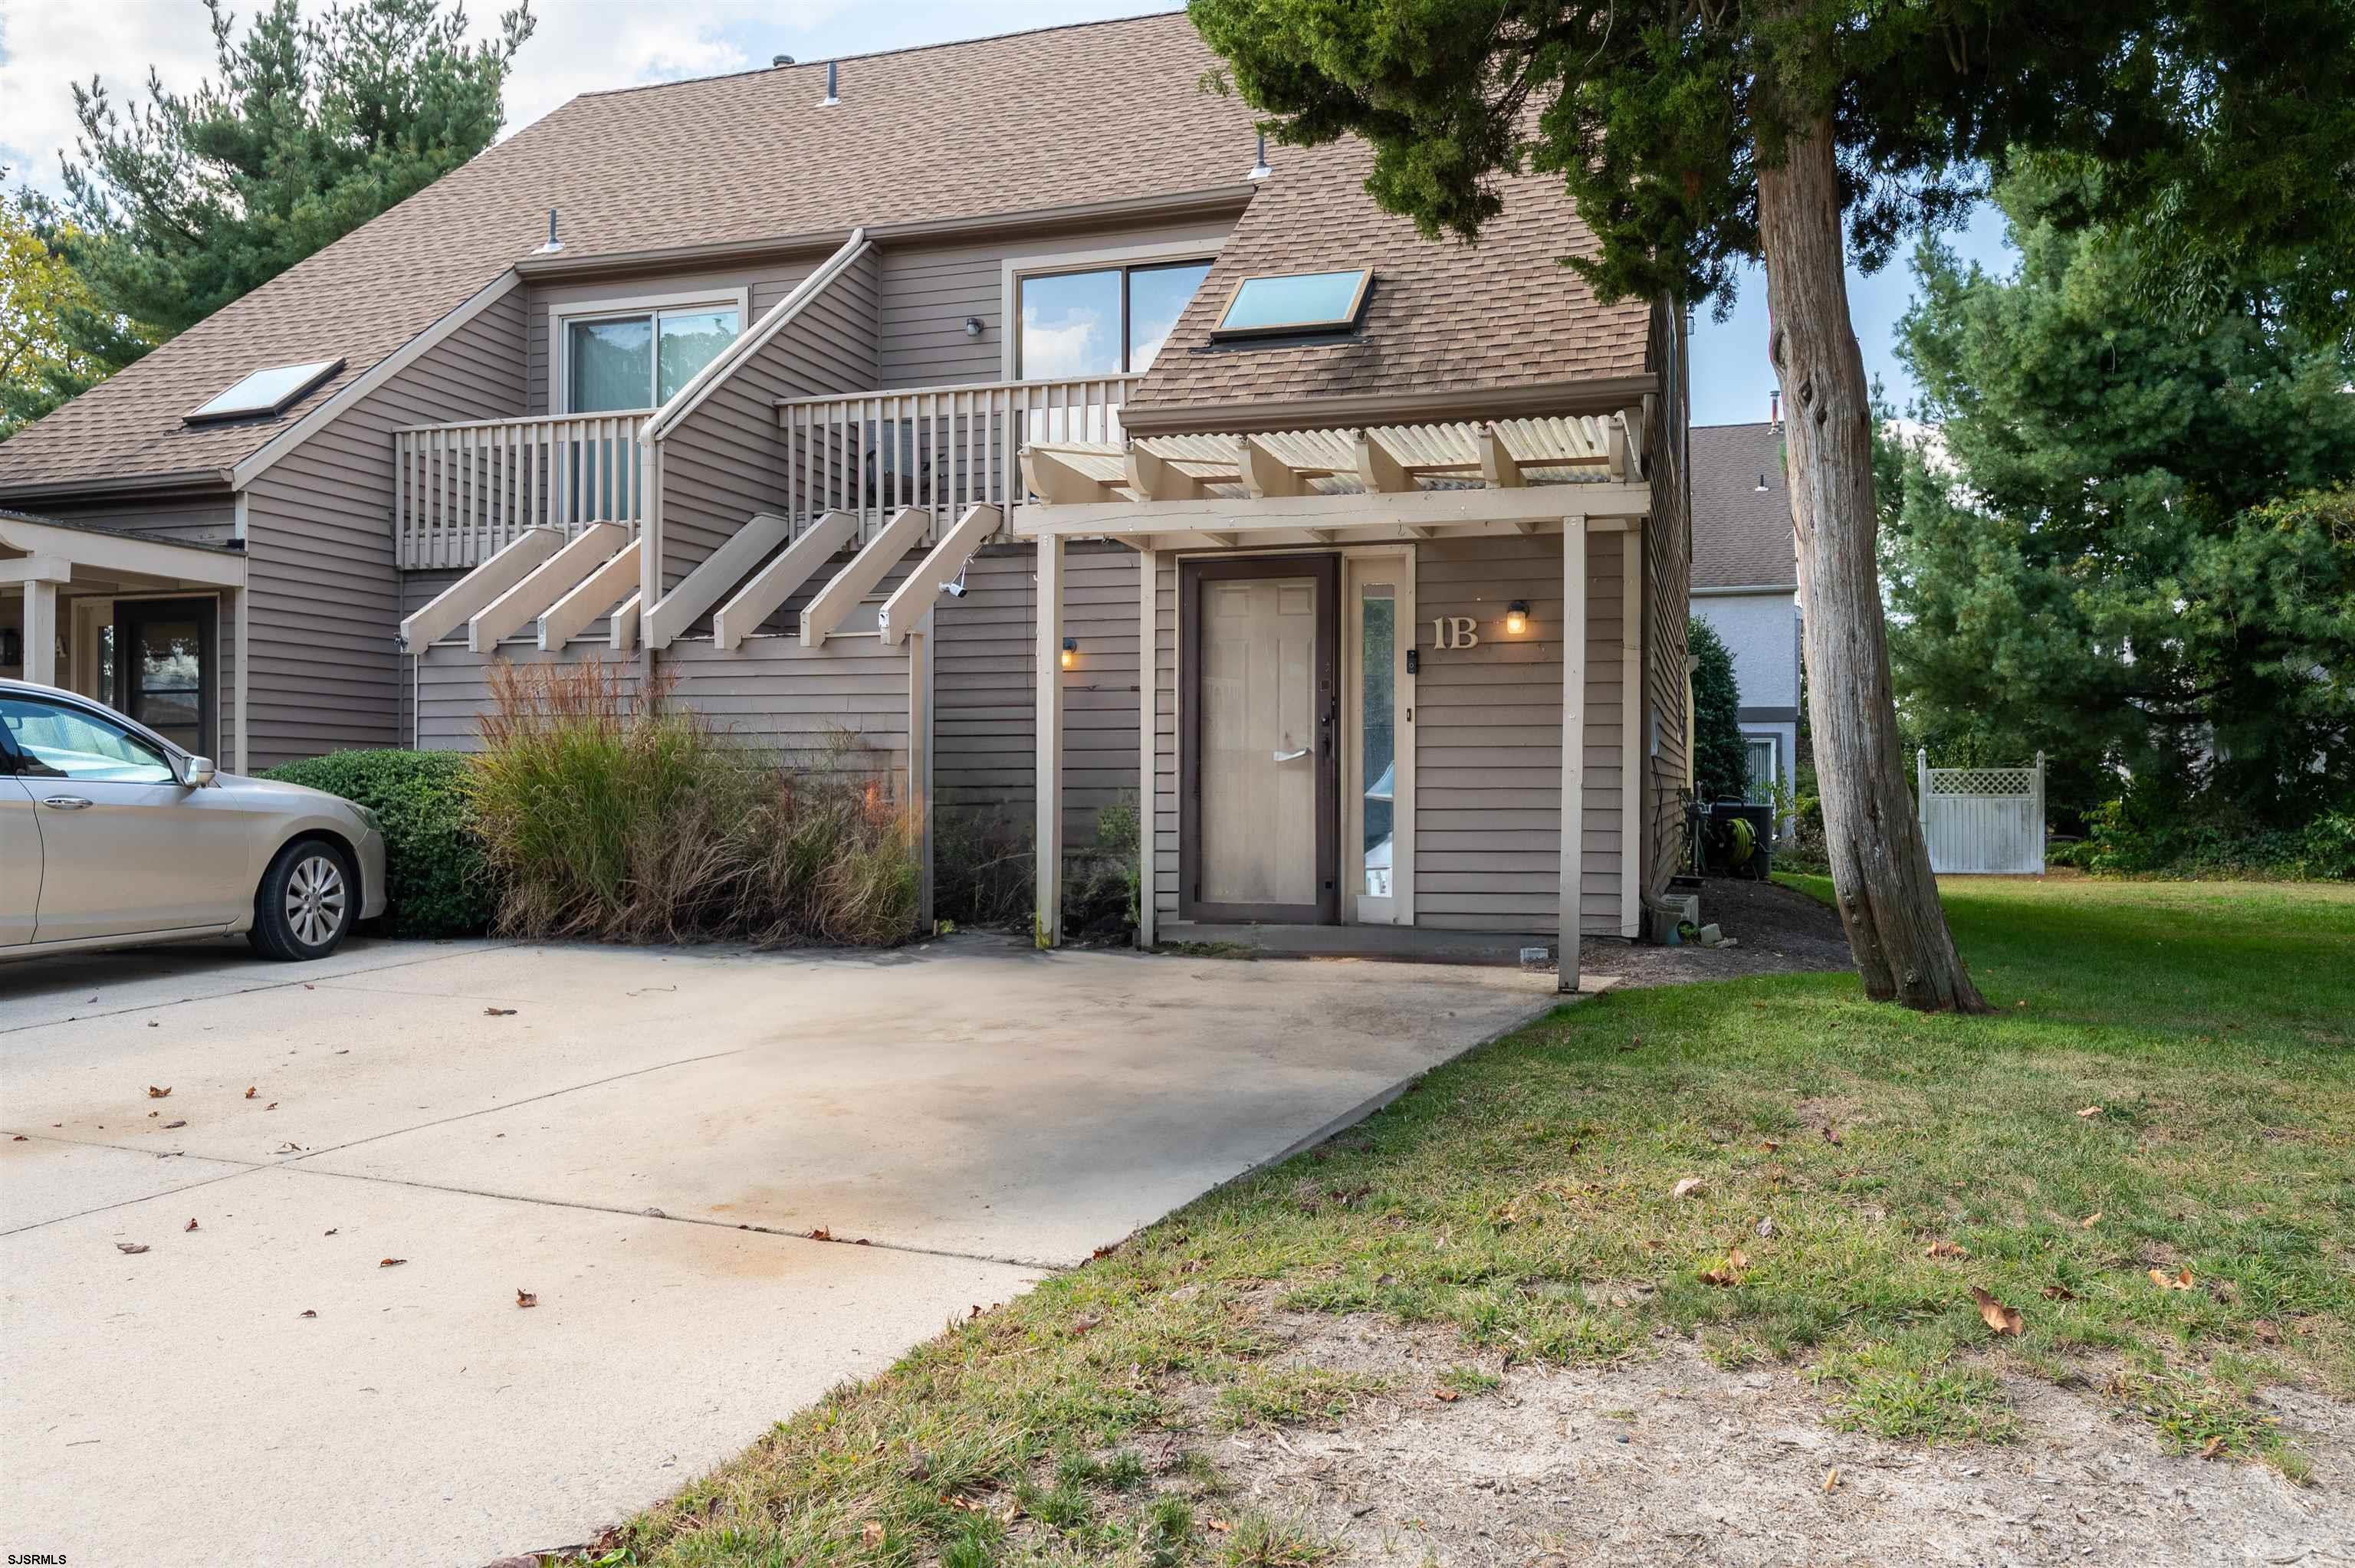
[1005, 402]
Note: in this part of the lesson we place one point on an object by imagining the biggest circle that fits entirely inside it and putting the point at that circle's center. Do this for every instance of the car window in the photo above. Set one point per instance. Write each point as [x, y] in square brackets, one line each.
[54, 742]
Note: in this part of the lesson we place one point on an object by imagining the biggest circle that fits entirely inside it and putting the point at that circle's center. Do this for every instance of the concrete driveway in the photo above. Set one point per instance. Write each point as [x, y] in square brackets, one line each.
[644, 1139]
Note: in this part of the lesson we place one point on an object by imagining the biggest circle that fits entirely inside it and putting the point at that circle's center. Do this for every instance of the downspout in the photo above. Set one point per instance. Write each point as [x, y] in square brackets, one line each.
[688, 398]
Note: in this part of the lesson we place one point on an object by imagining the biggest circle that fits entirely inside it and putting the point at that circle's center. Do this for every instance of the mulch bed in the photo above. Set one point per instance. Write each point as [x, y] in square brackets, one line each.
[1779, 932]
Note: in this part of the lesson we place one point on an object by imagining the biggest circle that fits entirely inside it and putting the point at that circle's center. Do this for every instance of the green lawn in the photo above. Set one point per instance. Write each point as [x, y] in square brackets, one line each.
[2167, 1086]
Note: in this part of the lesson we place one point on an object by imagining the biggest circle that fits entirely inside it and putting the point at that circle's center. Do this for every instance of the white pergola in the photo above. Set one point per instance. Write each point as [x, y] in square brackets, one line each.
[1569, 476]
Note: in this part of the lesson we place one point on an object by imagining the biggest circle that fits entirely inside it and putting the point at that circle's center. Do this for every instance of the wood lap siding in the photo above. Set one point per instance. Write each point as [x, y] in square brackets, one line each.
[1488, 727]
[728, 460]
[325, 598]
[194, 519]
[983, 675]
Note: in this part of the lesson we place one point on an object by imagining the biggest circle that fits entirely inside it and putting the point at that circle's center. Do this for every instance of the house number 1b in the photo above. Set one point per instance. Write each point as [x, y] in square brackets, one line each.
[1454, 632]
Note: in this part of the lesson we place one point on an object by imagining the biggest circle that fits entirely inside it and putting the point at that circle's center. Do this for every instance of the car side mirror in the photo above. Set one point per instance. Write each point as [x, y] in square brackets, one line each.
[198, 772]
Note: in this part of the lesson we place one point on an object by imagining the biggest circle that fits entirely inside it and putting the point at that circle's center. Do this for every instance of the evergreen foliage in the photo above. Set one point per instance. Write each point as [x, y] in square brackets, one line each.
[1721, 761]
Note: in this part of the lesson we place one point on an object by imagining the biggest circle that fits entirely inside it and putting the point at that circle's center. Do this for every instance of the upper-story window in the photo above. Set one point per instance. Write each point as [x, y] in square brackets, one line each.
[638, 359]
[1102, 321]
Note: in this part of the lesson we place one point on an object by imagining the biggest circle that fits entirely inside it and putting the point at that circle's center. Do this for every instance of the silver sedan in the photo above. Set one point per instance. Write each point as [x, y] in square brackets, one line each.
[110, 835]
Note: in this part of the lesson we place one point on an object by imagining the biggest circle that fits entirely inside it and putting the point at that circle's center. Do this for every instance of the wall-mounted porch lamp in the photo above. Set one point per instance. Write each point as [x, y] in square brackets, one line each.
[973, 327]
[1517, 618]
[1071, 653]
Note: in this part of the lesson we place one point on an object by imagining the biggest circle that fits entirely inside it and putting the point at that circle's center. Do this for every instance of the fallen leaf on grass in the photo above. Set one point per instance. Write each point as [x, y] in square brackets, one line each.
[1220, 1525]
[2090, 1221]
[2089, 1113]
[1736, 1260]
[526, 1297]
[2003, 1319]
[1445, 1395]
[190, 1226]
[2180, 1280]
[390, 1262]
[872, 1532]
[1690, 1187]
[155, 1094]
[248, 1090]
[131, 1247]
[1768, 1146]
[2213, 1446]
[963, 1505]
[499, 1012]
[1945, 1248]
[2058, 1293]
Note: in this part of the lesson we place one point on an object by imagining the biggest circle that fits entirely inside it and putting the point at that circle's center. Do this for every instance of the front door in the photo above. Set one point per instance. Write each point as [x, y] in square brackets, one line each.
[165, 668]
[1260, 827]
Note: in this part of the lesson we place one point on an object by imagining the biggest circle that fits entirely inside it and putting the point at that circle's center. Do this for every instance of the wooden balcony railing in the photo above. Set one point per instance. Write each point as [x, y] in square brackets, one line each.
[945, 447]
[462, 492]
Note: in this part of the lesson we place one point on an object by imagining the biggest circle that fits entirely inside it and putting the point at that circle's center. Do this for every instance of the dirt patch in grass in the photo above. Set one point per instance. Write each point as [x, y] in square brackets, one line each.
[1780, 932]
[1666, 1457]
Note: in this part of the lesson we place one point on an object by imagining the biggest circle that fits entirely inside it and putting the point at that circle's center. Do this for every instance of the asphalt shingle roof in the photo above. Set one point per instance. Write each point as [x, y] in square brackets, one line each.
[1741, 534]
[1104, 111]
[1442, 316]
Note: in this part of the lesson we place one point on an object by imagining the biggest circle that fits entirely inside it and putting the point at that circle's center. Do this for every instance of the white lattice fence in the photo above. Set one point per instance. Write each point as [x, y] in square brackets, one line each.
[1984, 821]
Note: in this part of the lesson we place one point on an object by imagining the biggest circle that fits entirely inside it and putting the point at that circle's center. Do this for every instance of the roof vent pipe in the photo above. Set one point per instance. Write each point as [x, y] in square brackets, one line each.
[780, 60]
[554, 244]
[832, 97]
[1259, 169]
[1775, 407]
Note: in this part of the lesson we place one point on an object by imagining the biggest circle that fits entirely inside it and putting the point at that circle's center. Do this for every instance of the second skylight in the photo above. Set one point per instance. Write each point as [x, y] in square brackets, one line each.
[1294, 303]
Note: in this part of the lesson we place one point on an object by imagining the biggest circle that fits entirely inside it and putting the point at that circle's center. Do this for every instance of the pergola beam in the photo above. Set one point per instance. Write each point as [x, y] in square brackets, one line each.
[1544, 504]
[1498, 468]
[1056, 480]
[1155, 478]
[1378, 470]
[1265, 473]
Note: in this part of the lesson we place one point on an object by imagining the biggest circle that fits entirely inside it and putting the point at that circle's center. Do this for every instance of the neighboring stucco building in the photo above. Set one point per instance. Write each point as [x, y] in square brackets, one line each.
[1745, 584]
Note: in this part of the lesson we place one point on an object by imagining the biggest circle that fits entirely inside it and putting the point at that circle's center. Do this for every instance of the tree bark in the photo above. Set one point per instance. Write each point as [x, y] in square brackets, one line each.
[1881, 867]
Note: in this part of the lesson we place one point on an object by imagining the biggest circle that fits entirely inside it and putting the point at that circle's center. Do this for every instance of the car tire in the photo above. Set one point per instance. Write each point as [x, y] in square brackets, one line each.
[308, 902]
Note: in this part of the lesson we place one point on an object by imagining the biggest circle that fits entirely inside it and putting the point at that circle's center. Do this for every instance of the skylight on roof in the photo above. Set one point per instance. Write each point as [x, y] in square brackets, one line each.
[265, 391]
[1299, 301]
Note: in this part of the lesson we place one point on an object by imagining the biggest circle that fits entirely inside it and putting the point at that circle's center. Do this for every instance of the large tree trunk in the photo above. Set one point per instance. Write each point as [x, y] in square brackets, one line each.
[1880, 868]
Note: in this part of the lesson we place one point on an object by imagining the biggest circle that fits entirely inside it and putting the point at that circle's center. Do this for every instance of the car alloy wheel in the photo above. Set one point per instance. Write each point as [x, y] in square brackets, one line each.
[315, 899]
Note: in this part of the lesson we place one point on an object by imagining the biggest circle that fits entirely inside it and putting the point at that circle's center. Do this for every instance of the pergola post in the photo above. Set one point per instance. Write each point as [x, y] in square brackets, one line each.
[1148, 652]
[1048, 843]
[1573, 747]
[41, 630]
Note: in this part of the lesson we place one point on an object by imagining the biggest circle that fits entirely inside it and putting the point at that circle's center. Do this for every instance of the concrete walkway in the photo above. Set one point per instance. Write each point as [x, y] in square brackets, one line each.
[977, 1112]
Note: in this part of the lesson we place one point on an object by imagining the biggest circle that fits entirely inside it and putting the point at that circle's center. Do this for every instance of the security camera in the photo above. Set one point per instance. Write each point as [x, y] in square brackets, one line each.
[955, 589]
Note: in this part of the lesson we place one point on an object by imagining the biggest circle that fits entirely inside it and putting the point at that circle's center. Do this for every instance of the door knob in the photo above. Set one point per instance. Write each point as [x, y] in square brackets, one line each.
[1291, 756]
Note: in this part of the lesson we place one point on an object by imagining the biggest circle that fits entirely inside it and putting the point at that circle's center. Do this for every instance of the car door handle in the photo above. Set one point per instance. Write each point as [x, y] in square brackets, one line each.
[1291, 756]
[65, 802]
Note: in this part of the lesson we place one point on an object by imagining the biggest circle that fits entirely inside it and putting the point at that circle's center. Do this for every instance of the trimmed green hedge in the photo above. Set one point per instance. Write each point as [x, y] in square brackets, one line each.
[438, 883]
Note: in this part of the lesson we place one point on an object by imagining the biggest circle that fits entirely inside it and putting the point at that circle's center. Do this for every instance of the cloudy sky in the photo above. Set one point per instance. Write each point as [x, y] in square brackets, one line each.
[584, 44]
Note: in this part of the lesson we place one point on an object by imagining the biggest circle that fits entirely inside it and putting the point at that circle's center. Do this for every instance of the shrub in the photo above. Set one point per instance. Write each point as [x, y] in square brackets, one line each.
[2145, 834]
[437, 883]
[984, 872]
[620, 818]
